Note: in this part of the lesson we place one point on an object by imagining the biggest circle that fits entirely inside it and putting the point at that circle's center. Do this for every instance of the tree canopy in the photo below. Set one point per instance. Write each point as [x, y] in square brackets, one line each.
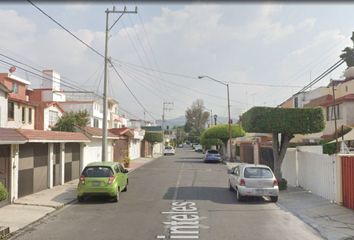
[70, 120]
[221, 132]
[196, 117]
[153, 137]
[348, 54]
[283, 120]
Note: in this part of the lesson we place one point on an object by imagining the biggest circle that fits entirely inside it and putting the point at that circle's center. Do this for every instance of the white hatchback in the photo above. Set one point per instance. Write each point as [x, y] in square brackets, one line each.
[169, 151]
[253, 180]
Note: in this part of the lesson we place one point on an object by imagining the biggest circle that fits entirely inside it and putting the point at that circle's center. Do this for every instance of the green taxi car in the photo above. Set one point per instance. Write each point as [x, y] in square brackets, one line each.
[102, 179]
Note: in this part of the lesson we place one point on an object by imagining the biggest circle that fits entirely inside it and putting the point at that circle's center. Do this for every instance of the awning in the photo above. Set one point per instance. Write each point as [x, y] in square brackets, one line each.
[347, 137]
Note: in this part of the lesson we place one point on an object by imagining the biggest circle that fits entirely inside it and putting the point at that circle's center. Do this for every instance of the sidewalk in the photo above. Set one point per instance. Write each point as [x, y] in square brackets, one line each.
[332, 221]
[31, 208]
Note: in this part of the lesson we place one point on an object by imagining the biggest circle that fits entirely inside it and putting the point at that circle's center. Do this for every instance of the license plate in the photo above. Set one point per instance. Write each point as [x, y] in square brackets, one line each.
[259, 191]
[96, 184]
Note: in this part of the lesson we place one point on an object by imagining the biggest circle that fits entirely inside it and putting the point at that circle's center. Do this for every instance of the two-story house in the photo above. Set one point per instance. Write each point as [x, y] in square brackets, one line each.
[20, 112]
[46, 98]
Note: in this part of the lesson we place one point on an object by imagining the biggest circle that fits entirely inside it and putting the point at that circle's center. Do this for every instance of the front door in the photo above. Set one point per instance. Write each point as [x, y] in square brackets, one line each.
[5, 165]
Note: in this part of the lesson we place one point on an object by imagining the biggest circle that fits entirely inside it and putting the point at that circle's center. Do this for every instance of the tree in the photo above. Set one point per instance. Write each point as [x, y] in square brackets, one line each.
[70, 120]
[282, 123]
[348, 54]
[180, 134]
[219, 135]
[153, 138]
[196, 118]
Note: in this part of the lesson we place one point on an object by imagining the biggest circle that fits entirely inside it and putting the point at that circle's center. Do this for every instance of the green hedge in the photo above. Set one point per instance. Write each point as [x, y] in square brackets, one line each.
[329, 148]
[283, 120]
[3, 192]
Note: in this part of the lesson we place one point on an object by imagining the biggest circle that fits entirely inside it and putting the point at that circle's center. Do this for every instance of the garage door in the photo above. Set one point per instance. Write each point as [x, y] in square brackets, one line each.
[72, 161]
[33, 168]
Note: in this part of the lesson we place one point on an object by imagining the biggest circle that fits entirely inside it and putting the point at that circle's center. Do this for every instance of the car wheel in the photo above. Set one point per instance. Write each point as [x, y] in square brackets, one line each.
[274, 198]
[116, 198]
[239, 197]
[230, 187]
[80, 199]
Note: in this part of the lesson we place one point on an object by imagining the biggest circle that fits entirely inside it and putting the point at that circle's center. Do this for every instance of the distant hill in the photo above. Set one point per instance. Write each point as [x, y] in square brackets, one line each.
[180, 121]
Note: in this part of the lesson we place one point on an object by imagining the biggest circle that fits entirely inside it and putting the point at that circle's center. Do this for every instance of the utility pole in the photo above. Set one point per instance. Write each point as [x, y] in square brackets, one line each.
[215, 118]
[334, 108]
[164, 109]
[211, 117]
[105, 84]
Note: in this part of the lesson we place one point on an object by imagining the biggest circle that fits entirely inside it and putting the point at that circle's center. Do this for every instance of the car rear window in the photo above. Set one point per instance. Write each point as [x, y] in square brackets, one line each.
[257, 172]
[213, 152]
[98, 171]
[169, 148]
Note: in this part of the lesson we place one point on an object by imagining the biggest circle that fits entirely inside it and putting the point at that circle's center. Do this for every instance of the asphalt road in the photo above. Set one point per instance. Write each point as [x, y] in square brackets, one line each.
[194, 194]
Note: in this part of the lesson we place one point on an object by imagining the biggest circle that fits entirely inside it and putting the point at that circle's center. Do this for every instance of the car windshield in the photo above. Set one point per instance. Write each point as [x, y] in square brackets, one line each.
[98, 171]
[257, 172]
[213, 152]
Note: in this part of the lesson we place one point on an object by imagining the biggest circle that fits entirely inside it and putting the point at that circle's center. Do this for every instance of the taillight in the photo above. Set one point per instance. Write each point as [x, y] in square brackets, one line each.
[242, 182]
[110, 180]
[275, 183]
[82, 179]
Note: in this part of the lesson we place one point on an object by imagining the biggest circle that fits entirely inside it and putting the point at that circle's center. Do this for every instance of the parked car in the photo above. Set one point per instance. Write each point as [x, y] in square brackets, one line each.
[198, 148]
[169, 150]
[180, 145]
[102, 179]
[253, 180]
[212, 156]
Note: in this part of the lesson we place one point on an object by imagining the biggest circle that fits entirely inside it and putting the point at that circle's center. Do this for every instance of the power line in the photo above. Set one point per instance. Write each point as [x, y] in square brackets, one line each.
[131, 92]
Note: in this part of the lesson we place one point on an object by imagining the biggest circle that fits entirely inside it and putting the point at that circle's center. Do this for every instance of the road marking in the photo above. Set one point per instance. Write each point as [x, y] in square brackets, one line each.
[161, 237]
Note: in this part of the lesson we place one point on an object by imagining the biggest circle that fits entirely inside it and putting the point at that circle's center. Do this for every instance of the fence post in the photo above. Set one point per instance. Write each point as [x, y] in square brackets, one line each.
[296, 167]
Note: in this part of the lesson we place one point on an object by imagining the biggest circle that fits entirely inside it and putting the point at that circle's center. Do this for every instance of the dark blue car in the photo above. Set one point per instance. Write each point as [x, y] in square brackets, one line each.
[212, 156]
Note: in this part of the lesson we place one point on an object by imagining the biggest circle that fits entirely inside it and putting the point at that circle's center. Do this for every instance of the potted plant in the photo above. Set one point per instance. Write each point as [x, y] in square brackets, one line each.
[126, 162]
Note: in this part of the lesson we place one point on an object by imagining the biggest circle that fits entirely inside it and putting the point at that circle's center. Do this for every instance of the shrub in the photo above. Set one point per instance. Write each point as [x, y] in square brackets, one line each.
[329, 148]
[283, 184]
[3, 192]
[126, 162]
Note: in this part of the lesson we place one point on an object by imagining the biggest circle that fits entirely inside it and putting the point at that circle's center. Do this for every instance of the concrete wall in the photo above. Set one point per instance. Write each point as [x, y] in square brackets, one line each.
[134, 149]
[93, 151]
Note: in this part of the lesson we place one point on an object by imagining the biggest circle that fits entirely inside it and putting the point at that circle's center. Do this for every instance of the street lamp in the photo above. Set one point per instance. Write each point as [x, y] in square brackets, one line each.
[228, 109]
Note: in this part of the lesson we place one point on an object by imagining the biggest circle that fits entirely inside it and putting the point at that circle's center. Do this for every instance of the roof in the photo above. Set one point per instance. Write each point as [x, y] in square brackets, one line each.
[11, 136]
[122, 131]
[320, 101]
[97, 132]
[13, 77]
[22, 101]
[152, 128]
[52, 136]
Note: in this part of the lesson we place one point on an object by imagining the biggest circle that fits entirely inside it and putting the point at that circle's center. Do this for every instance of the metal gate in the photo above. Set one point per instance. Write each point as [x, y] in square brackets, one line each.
[56, 164]
[33, 168]
[5, 165]
[348, 181]
[72, 161]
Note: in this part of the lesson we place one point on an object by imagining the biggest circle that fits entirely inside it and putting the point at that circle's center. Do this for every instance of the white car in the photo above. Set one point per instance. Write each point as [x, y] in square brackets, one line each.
[169, 151]
[253, 180]
[198, 148]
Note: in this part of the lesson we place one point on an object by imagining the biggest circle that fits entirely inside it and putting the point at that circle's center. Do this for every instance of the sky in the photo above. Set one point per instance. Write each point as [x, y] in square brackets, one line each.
[265, 51]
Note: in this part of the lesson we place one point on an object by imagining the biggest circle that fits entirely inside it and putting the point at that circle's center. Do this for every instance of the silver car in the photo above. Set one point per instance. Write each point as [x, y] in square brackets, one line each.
[253, 180]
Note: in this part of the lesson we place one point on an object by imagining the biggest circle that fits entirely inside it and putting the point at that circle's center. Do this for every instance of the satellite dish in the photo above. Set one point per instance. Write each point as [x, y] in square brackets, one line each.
[12, 69]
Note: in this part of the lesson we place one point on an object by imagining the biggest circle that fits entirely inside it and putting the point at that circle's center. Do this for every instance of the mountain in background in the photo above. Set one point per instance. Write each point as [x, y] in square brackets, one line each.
[181, 120]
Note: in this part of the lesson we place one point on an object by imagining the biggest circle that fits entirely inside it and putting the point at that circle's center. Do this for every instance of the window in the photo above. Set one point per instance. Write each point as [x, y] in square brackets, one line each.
[98, 172]
[30, 115]
[23, 114]
[14, 87]
[296, 102]
[53, 118]
[331, 110]
[11, 111]
[256, 172]
[95, 122]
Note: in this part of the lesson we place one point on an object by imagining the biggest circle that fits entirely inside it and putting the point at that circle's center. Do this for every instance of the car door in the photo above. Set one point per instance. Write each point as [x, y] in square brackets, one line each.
[234, 176]
[119, 176]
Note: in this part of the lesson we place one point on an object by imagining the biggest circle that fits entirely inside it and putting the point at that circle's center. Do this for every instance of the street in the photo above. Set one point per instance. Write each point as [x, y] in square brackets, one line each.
[163, 194]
